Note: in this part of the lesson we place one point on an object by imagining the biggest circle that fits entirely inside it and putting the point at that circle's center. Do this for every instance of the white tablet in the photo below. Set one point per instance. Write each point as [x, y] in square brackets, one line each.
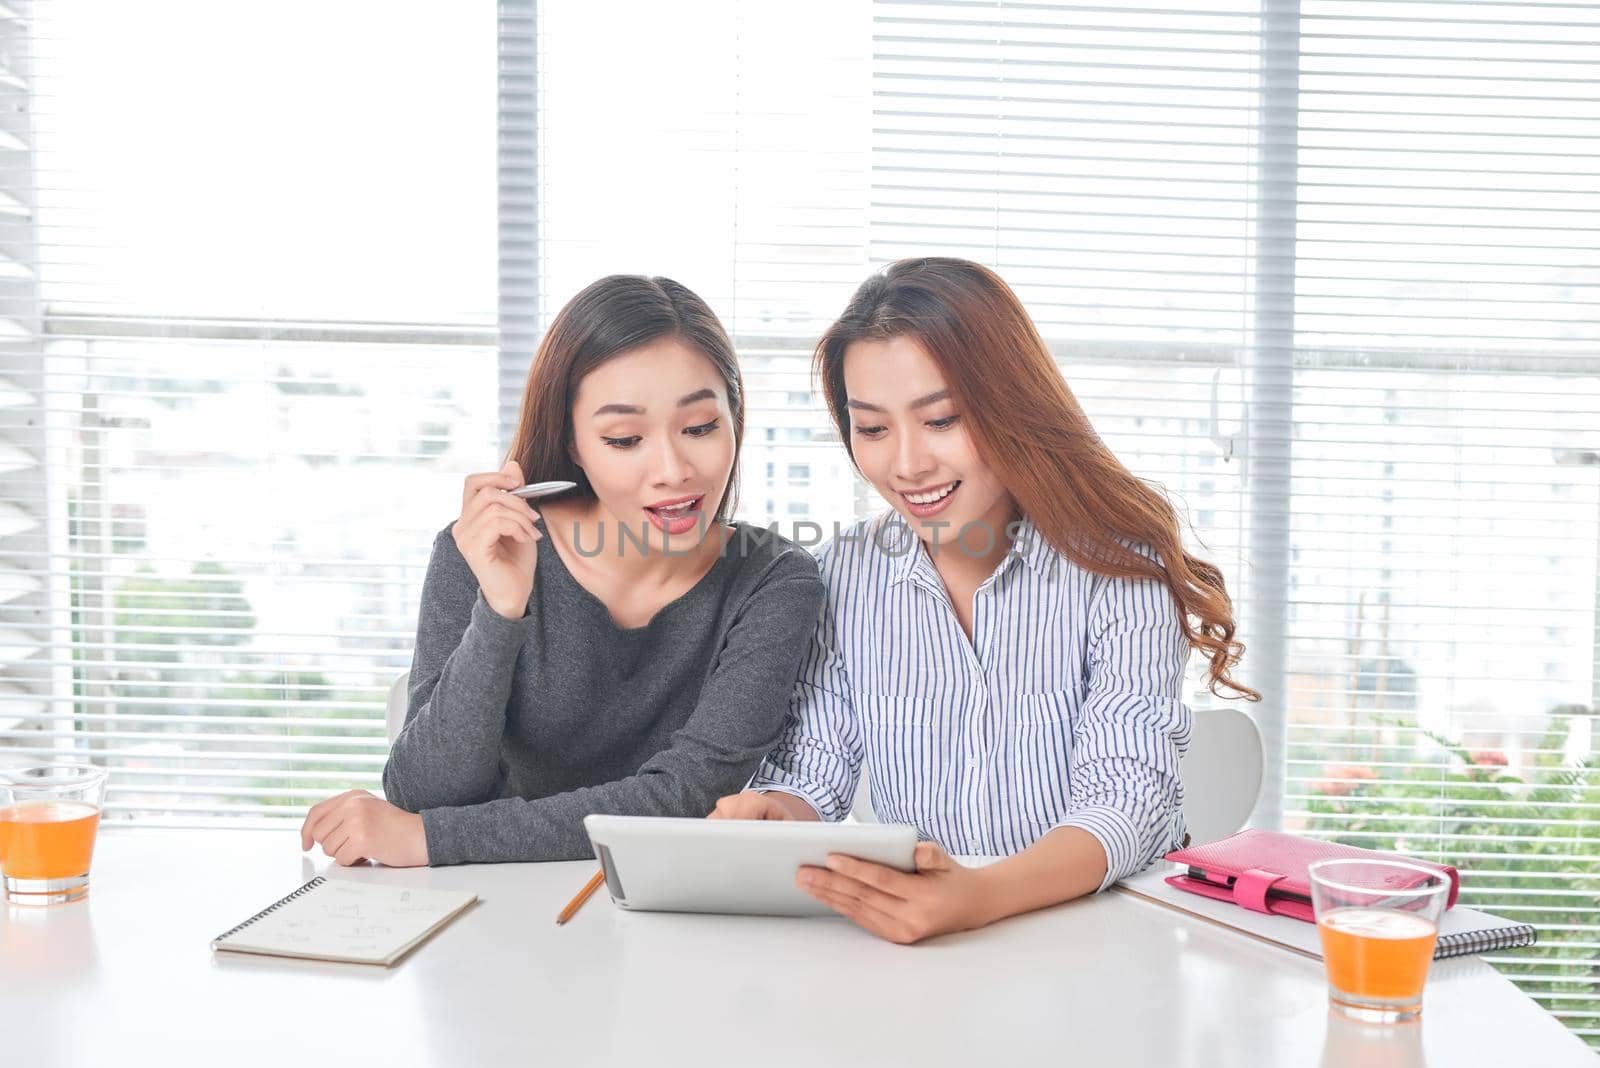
[659, 864]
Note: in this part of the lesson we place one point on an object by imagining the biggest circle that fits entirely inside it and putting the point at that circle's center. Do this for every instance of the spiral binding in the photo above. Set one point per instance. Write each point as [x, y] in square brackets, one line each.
[278, 904]
[1490, 941]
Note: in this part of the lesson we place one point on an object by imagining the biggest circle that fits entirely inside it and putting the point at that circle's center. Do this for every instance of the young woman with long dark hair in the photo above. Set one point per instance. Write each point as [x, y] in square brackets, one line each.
[629, 650]
[1004, 649]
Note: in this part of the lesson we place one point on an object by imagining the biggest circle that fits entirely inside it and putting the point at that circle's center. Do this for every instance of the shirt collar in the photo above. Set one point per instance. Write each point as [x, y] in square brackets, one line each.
[1032, 547]
[893, 536]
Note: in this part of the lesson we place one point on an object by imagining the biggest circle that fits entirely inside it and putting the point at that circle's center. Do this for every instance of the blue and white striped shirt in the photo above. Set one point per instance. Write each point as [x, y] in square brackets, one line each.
[1063, 710]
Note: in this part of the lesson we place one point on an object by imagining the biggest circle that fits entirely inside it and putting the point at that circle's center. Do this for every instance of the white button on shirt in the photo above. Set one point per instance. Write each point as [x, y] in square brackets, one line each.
[1085, 727]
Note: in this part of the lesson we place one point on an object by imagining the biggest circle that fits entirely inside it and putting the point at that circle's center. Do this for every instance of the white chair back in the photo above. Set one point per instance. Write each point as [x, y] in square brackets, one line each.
[394, 713]
[1221, 773]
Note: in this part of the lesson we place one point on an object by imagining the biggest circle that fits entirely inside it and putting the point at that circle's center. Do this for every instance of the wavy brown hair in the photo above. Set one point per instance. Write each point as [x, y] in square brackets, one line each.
[1030, 430]
[610, 317]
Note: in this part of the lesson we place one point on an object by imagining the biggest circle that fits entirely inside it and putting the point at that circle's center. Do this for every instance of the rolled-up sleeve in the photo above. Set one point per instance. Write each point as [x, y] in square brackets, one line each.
[1133, 727]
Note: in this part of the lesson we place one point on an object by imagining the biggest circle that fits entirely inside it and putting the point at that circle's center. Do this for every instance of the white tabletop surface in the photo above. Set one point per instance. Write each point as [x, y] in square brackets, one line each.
[127, 977]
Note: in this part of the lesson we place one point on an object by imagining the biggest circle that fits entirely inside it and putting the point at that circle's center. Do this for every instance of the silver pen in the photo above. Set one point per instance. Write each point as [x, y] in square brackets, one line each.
[542, 489]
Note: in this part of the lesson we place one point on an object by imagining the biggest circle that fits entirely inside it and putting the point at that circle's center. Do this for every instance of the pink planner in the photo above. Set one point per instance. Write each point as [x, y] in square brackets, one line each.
[1266, 871]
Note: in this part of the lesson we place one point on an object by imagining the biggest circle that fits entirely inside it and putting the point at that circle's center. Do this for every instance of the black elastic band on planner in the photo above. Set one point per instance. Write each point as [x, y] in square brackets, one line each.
[278, 904]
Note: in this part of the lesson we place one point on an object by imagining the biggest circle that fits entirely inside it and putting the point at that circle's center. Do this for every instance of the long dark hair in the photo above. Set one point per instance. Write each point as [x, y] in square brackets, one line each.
[1029, 429]
[615, 315]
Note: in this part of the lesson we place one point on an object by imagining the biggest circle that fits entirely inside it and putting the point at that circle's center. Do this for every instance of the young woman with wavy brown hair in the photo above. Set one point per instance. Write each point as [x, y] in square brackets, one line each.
[1004, 649]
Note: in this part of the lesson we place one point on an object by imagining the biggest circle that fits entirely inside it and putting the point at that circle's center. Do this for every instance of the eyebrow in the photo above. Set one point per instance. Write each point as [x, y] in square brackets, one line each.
[920, 402]
[634, 409]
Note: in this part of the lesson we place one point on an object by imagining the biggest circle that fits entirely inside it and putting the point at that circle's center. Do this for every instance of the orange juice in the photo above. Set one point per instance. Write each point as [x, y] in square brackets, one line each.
[47, 839]
[1382, 954]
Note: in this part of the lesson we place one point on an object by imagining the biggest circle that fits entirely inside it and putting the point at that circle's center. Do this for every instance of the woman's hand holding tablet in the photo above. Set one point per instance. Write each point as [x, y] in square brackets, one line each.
[662, 864]
[940, 897]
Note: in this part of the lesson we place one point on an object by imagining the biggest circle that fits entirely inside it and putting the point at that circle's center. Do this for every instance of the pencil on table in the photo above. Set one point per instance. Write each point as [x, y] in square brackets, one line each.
[583, 895]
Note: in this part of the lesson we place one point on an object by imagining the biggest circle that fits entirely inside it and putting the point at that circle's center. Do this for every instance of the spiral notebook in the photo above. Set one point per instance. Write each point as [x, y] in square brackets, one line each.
[345, 920]
[1462, 931]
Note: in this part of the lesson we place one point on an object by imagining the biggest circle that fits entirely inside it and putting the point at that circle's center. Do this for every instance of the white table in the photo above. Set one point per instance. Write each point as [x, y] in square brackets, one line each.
[127, 977]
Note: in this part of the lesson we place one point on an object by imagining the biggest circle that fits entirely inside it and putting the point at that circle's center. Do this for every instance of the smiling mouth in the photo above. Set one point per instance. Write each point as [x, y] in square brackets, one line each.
[932, 496]
[923, 504]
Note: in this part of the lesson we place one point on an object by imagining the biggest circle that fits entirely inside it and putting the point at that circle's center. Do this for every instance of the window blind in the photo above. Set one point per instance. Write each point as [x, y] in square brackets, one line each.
[247, 353]
[727, 146]
[1443, 612]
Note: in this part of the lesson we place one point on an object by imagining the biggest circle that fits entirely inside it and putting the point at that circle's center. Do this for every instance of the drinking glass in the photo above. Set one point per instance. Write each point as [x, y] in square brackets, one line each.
[1379, 920]
[48, 818]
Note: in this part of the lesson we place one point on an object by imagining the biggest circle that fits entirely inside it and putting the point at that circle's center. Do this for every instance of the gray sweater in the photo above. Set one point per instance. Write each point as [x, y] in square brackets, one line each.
[517, 729]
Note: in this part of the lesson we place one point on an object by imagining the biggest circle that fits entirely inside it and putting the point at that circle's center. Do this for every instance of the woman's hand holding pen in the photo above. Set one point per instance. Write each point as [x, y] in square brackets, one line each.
[941, 896]
[498, 539]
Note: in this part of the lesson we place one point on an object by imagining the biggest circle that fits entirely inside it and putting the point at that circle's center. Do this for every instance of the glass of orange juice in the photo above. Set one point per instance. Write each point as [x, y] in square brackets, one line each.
[48, 818]
[1379, 920]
